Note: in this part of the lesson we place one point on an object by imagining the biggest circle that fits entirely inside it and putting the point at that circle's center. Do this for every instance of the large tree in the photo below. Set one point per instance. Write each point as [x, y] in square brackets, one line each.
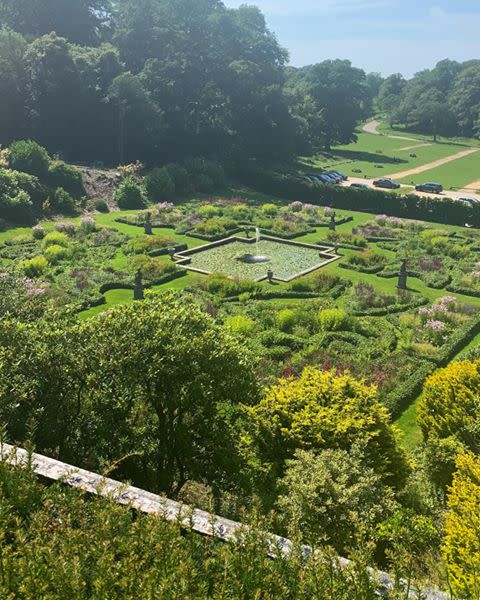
[155, 384]
[339, 96]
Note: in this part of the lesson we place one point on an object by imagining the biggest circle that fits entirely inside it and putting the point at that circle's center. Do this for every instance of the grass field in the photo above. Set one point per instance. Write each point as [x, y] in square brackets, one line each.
[378, 155]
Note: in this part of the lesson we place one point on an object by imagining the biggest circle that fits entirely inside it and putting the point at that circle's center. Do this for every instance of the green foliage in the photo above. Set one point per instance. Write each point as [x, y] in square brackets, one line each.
[321, 410]
[29, 157]
[129, 195]
[144, 244]
[334, 319]
[462, 543]
[62, 202]
[450, 403]
[101, 548]
[240, 325]
[175, 418]
[55, 238]
[101, 206]
[36, 266]
[332, 497]
[67, 177]
[55, 253]
[159, 185]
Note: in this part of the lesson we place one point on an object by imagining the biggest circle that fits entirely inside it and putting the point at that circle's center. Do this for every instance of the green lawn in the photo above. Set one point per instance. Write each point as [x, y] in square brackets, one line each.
[454, 175]
[371, 150]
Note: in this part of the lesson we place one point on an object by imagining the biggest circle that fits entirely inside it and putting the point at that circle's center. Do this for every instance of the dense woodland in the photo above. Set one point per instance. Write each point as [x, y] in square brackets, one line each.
[441, 101]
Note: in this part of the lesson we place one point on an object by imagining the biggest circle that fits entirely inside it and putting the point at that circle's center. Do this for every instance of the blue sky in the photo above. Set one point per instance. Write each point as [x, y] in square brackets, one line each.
[388, 36]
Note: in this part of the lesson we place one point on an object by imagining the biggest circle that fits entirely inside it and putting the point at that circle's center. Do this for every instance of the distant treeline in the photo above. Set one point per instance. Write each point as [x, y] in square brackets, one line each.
[163, 80]
[441, 101]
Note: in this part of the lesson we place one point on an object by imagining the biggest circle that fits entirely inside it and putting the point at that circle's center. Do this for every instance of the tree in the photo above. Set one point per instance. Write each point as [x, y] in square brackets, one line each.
[82, 22]
[172, 420]
[29, 157]
[340, 96]
[321, 410]
[461, 547]
[13, 80]
[450, 403]
[332, 496]
[390, 91]
[465, 100]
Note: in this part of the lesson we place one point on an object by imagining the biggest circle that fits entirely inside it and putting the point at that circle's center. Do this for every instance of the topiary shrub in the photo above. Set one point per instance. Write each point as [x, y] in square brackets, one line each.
[54, 254]
[35, 267]
[55, 238]
[129, 195]
[334, 319]
[240, 325]
[38, 232]
[62, 202]
[101, 206]
[29, 157]
[159, 185]
[61, 175]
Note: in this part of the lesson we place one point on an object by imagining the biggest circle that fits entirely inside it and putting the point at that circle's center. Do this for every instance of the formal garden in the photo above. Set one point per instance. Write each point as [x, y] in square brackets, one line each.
[244, 292]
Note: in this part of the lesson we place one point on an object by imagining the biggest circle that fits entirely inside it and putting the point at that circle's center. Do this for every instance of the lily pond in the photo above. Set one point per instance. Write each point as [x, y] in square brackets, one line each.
[286, 261]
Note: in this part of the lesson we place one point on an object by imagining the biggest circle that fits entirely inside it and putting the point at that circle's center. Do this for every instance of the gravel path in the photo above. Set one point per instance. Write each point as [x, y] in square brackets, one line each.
[414, 147]
[434, 165]
[372, 127]
[471, 187]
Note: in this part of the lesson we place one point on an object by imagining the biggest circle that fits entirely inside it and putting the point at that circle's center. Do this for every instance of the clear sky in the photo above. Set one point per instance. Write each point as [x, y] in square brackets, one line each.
[388, 36]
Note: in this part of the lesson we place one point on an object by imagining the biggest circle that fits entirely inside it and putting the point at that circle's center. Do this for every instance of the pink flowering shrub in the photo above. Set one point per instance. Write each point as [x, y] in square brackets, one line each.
[88, 225]
[65, 227]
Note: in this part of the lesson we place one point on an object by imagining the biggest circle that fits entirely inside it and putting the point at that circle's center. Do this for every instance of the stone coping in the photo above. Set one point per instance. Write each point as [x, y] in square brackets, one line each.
[199, 521]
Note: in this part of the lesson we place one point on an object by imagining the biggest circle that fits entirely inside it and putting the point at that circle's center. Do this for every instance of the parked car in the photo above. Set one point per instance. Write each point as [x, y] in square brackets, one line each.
[334, 176]
[386, 183]
[341, 175]
[431, 188]
[360, 186]
[324, 178]
[469, 201]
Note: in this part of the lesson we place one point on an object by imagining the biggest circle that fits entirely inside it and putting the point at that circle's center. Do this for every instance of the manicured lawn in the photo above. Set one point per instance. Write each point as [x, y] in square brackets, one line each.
[407, 424]
[454, 175]
[371, 150]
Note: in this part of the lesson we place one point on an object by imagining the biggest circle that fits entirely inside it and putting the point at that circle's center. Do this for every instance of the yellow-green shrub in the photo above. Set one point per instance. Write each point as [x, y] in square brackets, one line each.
[34, 267]
[450, 400]
[240, 325]
[55, 238]
[462, 528]
[334, 319]
[55, 254]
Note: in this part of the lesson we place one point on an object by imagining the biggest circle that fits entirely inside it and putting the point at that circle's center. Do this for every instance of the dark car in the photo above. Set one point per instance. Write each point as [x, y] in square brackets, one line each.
[360, 186]
[431, 188]
[334, 176]
[324, 178]
[386, 183]
[338, 174]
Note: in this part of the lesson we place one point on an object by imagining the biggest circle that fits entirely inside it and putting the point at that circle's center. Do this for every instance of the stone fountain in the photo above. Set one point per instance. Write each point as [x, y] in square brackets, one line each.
[257, 257]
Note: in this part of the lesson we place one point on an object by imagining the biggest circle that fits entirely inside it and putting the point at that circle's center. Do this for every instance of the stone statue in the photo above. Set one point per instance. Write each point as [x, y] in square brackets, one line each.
[402, 276]
[171, 252]
[148, 224]
[333, 225]
[270, 275]
[139, 289]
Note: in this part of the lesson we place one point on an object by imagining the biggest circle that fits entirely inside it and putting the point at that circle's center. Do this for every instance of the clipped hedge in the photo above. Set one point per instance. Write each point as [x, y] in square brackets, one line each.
[155, 224]
[399, 399]
[359, 269]
[463, 291]
[439, 210]
[391, 310]
[164, 251]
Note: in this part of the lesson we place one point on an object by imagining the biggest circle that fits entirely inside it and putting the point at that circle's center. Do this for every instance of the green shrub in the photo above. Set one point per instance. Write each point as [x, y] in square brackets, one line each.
[38, 232]
[159, 185]
[208, 211]
[30, 157]
[55, 238]
[35, 267]
[269, 209]
[62, 202]
[240, 324]
[61, 175]
[152, 268]
[55, 254]
[241, 211]
[101, 205]
[145, 244]
[334, 319]
[286, 319]
[129, 195]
